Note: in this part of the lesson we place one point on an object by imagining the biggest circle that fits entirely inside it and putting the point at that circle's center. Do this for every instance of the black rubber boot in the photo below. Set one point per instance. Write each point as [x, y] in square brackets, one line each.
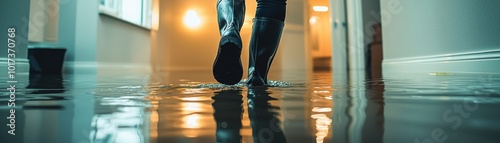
[227, 67]
[264, 117]
[266, 35]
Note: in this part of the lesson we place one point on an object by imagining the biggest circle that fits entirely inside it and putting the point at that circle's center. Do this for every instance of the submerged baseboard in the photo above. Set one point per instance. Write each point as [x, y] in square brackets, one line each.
[93, 64]
[22, 65]
[20, 61]
[467, 62]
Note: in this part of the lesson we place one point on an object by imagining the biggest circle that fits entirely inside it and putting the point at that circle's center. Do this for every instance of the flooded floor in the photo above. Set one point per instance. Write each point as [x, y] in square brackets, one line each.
[134, 105]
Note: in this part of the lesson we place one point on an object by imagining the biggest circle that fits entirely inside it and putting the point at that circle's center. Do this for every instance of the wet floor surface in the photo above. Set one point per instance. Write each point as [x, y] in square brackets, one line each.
[116, 105]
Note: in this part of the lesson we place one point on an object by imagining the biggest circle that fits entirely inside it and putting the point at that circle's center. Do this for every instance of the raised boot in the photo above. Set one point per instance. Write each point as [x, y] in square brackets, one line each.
[227, 67]
[266, 35]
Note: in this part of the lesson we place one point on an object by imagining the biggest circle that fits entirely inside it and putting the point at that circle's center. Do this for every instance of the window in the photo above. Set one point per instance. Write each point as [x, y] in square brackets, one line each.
[134, 11]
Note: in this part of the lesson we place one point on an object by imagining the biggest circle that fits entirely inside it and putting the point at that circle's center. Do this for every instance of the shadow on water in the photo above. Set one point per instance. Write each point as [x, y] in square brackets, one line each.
[46, 83]
[228, 110]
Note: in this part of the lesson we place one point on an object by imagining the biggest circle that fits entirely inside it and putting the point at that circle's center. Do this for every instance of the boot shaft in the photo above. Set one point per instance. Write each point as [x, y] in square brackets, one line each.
[230, 14]
[264, 42]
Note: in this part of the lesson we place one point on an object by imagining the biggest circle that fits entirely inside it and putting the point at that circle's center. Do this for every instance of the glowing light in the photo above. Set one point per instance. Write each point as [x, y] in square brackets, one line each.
[155, 20]
[155, 15]
[313, 20]
[320, 8]
[192, 19]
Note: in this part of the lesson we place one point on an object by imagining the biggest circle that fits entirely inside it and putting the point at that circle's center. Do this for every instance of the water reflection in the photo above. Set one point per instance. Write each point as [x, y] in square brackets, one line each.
[458, 108]
[264, 118]
[345, 108]
[358, 109]
[373, 127]
[320, 93]
[45, 84]
[228, 112]
[121, 114]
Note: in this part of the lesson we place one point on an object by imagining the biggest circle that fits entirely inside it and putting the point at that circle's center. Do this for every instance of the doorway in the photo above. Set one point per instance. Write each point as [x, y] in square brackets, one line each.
[339, 34]
[319, 33]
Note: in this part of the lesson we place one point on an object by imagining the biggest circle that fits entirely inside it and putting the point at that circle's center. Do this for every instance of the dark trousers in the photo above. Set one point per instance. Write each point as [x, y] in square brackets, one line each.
[272, 9]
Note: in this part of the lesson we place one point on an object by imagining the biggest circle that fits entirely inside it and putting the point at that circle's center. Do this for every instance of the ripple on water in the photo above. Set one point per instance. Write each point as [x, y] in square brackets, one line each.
[159, 91]
[271, 83]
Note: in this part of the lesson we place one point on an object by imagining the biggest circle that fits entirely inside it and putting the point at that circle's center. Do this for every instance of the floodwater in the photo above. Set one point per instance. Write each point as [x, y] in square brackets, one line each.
[122, 105]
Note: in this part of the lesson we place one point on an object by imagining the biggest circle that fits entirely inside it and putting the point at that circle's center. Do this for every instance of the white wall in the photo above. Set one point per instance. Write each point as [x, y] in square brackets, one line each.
[91, 37]
[67, 27]
[444, 35]
[77, 30]
[292, 52]
[118, 41]
[86, 30]
[15, 14]
[44, 17]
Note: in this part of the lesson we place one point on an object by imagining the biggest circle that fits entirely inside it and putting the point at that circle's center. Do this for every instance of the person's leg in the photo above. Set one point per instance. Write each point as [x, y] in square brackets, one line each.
[227, 67]
[275, 9]
[266, 34]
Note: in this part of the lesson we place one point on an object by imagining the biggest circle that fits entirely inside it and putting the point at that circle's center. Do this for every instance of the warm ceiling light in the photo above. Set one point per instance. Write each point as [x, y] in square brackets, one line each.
[320, 8]
[313, 20]
[192, 19]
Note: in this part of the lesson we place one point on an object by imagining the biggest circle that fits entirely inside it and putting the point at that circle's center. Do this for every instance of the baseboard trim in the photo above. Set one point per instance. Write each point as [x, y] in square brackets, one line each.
[93, 64]
[22, 61]
[22, 65]
[467, 62]
[456, 57]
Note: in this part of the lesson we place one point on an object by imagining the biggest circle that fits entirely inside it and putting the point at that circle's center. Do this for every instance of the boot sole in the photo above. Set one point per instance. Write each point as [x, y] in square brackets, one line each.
[227, 68]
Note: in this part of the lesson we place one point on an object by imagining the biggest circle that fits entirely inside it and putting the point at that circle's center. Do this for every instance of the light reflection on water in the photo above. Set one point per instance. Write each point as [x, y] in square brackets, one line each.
[304, 108]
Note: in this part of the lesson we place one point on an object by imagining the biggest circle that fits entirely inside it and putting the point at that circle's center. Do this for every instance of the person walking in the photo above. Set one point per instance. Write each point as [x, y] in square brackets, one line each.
[267, 28]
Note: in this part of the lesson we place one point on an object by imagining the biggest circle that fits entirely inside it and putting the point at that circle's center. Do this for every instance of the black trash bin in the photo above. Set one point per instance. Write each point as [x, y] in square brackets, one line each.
[46, 60]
